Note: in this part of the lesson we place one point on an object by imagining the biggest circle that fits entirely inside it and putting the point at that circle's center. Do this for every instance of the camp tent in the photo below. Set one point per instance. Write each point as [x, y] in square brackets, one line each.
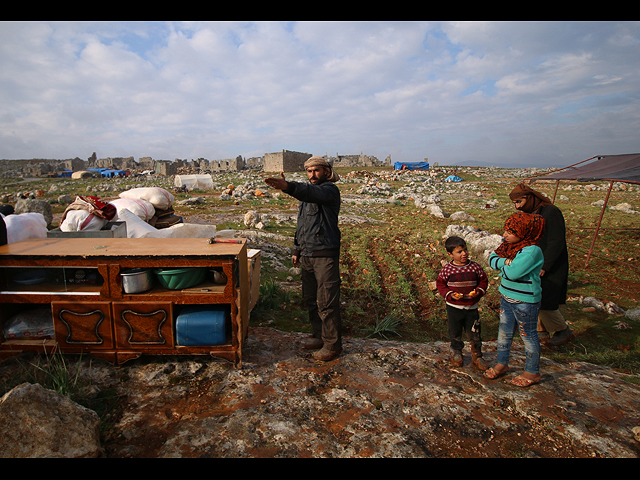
[194, 182]
[614, 168]
[617, 168]
[83, 174]
[112, 173]
[411, 166]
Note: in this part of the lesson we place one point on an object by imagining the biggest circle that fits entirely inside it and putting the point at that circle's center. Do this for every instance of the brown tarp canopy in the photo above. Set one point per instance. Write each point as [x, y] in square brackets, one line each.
[619, 168]
[614, 168]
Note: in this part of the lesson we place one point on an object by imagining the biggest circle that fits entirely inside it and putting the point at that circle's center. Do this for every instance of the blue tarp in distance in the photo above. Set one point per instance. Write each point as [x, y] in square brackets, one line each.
[453, 178]
[411, 165]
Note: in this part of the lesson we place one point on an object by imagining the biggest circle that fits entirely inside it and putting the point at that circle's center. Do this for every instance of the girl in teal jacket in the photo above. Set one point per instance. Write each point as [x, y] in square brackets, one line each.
[519, 260]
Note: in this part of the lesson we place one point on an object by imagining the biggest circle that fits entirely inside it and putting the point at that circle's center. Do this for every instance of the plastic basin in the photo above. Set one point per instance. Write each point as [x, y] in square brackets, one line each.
[179, 278]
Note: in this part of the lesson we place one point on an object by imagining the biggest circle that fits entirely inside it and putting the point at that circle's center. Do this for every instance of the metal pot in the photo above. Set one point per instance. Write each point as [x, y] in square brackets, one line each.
[218, 276]
[136, 280]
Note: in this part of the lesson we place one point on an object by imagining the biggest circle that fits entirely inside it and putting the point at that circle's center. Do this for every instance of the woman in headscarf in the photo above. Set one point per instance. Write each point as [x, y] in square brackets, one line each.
[519, 259]
[555, 270]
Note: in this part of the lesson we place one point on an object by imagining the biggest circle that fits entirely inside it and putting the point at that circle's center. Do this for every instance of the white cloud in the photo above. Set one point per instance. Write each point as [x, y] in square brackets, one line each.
[453, 91]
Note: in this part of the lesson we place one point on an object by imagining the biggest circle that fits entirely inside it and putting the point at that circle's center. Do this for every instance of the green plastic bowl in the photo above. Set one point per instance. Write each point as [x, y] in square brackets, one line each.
[179, 278]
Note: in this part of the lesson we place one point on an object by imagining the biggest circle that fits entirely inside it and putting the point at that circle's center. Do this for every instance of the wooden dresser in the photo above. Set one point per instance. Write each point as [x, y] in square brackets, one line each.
[79, 280]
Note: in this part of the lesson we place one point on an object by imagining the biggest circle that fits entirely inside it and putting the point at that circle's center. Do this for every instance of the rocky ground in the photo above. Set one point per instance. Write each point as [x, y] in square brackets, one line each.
[378, 399]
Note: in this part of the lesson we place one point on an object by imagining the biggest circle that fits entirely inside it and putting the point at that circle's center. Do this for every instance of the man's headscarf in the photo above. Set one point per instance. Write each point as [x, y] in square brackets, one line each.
[320, 161]
[528, 226]
[533, 200]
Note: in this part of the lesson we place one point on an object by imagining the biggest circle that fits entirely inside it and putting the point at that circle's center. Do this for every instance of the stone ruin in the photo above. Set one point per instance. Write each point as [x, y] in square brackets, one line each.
[285, 160]
[358, 161]
[288, 161]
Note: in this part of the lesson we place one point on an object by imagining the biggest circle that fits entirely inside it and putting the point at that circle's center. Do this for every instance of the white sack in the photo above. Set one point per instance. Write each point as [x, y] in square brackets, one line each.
[136, 227]
[137, 206]
[25, 225]
[82, 220]
[184, 230]
[156, 196]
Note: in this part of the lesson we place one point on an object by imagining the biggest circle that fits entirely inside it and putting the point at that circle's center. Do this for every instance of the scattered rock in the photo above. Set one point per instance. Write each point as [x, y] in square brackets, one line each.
[620, 325]
[65, 199]
[253, 219]
[625, 208]
[477, 240]
[461, 217]
[633, 314]
[594, 304]
[191, 201]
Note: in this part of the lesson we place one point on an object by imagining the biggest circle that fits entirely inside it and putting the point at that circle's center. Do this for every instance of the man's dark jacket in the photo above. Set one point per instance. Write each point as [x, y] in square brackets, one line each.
[317, 232]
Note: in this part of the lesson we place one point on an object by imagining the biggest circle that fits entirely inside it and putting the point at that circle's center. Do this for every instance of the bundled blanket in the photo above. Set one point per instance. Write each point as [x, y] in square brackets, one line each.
[86, 213]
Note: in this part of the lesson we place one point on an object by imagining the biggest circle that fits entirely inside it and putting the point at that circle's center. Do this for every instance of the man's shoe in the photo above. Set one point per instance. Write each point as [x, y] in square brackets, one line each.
[543, 337]
[324, 355]
[456, 359]
[562, 337]
[312, 343]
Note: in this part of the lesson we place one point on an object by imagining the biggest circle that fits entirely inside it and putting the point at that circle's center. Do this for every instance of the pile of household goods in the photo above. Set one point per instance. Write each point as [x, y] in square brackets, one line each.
[147, 212]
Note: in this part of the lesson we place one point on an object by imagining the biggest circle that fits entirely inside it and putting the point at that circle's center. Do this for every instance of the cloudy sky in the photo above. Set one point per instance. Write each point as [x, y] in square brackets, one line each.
[460, 93]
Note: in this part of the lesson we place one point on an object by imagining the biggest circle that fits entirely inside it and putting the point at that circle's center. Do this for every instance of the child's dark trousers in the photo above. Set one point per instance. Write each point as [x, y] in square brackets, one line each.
[465, 320]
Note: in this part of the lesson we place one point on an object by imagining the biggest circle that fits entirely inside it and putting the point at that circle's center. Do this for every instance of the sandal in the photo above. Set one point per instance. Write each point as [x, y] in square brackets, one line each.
[493, 374]
[523, 382]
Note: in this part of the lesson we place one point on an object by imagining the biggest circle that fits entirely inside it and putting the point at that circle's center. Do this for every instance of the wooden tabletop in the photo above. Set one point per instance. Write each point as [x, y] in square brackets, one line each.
[120, 247]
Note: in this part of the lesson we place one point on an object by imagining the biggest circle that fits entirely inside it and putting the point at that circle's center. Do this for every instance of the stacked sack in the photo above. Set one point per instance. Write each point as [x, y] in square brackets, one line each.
[137, 208]
[148, 213]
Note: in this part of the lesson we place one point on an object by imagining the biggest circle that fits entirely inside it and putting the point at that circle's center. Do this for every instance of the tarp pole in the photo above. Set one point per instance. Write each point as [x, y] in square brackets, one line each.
[599, 222]
[555, 192]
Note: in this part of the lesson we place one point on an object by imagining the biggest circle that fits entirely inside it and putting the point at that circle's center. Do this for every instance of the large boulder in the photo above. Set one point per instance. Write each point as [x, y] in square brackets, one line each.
[36, 422]
[27, 205]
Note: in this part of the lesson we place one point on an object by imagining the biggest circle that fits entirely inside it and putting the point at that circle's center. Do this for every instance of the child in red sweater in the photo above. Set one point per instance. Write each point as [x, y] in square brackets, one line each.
[462, 283]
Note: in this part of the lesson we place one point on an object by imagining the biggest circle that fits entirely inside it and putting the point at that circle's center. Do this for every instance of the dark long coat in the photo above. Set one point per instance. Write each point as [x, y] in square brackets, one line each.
[556, 258]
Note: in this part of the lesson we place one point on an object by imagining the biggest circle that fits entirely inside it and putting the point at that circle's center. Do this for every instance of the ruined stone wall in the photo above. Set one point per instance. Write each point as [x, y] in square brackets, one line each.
[273, 162]
[226, 165]
[285, 161]
[75, 164]
[355, 161]
[254, 162]
[145, 163]
[116, 163]
[165, 167]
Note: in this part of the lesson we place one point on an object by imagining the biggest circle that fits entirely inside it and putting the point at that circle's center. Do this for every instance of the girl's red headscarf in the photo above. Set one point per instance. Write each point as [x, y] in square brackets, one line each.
[527, 226]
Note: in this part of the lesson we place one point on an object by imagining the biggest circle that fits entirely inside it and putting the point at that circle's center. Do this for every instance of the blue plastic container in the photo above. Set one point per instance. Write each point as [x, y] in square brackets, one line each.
[202, 325]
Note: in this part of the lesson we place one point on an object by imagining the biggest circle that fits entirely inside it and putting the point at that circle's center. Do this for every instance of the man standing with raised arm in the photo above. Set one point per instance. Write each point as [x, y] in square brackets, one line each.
[317, 252]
